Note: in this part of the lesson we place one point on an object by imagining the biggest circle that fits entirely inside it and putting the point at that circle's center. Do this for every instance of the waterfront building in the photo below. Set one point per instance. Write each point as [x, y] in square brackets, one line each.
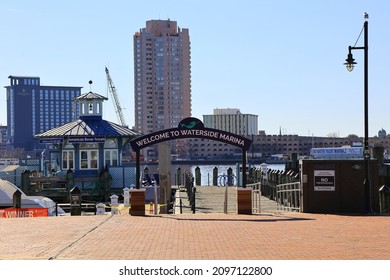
[281, 146]
[33, 108]
[232, 120]
[269, 145]
[87, 146]
[88, 143]
[162, 79]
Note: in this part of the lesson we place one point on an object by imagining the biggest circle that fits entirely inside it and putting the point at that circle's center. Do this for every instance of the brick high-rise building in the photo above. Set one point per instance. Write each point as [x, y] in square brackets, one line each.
[162, 77]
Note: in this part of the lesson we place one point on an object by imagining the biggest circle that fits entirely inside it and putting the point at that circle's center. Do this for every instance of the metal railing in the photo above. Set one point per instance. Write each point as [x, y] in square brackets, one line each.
[256, 196]
[288, 197]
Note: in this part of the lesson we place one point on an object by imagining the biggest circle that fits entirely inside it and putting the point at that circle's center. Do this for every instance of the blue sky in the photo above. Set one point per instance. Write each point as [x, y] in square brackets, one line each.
[281, 60]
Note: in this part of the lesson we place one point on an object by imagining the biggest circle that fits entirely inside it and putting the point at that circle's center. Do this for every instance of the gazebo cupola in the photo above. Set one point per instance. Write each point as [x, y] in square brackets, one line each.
[91, 105]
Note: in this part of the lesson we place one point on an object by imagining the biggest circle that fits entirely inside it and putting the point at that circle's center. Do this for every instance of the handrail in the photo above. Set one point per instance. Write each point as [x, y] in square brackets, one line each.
[288, 196]
[256, 196]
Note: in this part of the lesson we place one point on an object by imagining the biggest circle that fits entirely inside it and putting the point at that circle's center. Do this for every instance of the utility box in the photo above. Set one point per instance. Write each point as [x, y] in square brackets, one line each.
[338, 186]
[75, 202]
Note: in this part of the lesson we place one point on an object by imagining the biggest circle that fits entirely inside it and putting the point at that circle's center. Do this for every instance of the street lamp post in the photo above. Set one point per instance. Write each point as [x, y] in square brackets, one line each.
[350, 63]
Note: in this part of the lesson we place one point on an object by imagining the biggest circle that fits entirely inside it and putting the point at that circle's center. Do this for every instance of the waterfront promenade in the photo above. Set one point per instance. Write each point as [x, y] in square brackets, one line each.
[270, 235]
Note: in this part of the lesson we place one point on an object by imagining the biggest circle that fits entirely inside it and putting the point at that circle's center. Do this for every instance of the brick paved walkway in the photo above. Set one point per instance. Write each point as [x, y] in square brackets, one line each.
[282, 236]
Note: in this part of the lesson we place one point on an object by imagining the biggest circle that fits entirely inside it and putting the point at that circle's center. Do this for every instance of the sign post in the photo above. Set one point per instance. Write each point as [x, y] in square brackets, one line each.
[192, 128]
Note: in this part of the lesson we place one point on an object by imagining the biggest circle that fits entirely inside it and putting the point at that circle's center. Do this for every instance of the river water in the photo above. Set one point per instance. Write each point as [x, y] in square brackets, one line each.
[206, 170]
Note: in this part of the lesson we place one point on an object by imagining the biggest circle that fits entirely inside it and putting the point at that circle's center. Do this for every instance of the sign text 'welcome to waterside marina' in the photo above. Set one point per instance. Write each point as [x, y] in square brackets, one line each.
[190, 128]
[168, 135]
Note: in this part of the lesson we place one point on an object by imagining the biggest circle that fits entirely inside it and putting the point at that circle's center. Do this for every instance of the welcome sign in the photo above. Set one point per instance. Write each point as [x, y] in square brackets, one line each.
[190, 128]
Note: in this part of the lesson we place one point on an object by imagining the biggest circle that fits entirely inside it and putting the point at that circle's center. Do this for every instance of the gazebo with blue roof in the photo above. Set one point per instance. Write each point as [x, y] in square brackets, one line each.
[88, 145]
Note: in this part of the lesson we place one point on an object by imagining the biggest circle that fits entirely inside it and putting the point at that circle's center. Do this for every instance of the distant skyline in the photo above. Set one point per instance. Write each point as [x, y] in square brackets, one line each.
[281, 60]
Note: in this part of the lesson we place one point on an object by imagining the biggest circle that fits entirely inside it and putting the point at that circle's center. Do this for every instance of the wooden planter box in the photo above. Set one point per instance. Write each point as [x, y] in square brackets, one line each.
[244, 201]
[137, 202]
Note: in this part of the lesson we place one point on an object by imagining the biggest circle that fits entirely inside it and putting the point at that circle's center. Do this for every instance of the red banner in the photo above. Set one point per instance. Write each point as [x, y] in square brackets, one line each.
[25, 212]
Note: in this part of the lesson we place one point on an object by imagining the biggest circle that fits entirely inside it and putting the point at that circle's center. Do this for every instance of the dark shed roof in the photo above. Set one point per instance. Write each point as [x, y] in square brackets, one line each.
[89, 127]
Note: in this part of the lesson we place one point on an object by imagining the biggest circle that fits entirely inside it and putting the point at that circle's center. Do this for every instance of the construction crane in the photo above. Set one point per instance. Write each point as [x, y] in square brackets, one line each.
[115, 100]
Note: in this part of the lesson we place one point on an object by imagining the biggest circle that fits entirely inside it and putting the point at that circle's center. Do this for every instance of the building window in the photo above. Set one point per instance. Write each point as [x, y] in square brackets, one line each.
[67, 159]
[90, 108]
[111, 157]
[111, 143]
[111, 152]
[89, 159]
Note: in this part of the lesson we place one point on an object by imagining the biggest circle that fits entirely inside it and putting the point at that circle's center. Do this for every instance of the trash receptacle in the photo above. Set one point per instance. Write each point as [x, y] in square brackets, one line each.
[75, 202]
[384, 199]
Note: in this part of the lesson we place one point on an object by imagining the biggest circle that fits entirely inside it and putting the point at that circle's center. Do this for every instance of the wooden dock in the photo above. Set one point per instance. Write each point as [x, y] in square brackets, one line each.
[211, 199]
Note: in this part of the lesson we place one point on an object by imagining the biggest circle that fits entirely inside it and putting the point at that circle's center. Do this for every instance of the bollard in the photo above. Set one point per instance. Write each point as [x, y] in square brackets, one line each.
[126, 197]
[114, 204]
[100, 209]
[230, 176]
[197, 176]
[215, 176]
[178, 177]
[151, 208]
[193, 200]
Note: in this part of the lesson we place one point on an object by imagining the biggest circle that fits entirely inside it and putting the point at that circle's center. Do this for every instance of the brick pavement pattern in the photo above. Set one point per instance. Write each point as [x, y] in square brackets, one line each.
[270, 236]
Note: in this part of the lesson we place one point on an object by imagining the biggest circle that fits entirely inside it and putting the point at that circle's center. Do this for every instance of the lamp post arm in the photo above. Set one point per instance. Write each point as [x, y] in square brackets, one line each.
[356, 48]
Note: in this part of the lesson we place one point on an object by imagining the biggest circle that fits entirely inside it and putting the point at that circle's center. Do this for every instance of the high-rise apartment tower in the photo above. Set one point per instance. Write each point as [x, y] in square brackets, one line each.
[162, 76]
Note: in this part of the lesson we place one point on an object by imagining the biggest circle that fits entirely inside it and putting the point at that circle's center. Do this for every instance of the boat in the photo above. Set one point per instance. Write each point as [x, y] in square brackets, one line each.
[7, 190]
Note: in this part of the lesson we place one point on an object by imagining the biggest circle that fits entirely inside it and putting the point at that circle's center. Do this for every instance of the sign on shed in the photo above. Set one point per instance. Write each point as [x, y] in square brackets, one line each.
[324, 180]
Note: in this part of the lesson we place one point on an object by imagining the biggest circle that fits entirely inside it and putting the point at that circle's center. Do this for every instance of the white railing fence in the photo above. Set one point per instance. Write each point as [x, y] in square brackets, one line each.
[256, 196]
[288, 196]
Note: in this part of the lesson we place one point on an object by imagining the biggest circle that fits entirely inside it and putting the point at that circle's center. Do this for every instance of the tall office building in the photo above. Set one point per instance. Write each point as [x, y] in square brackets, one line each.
[162, 76]
[32, 109]
[3, 140]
